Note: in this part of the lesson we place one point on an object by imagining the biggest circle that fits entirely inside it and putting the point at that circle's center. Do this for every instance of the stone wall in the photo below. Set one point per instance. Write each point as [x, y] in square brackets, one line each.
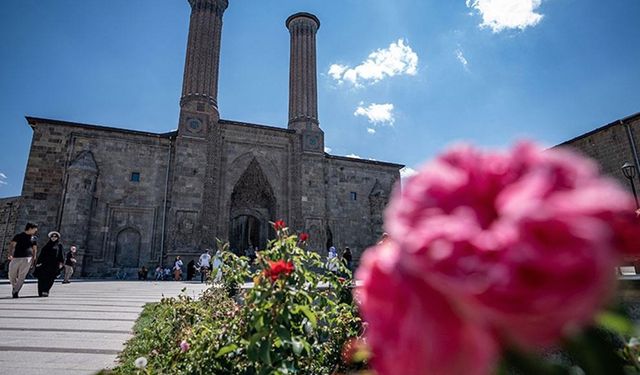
[8, 216]
[611, 146]
[357, 193]
[104, 212]
[126, 215]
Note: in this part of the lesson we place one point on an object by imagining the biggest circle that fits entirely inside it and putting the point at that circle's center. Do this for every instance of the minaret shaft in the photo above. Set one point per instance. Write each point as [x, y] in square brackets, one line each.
[200, 80]
[303, 84]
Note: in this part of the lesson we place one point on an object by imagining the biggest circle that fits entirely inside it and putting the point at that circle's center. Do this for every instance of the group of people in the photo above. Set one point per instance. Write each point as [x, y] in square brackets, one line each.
[46, 266]
[205, 265]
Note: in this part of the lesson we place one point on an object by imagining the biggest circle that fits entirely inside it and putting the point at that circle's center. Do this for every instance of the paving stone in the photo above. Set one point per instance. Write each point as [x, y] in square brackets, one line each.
[79, 329]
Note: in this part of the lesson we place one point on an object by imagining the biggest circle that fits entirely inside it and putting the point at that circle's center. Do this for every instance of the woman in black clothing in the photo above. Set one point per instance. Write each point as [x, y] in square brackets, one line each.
[48, 264]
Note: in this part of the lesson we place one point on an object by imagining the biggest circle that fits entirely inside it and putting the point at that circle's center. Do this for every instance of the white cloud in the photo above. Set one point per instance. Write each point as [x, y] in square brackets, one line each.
[396, 60]
[3, 179]
[371, 131]
[354, 156]
[407, 172]
[376, 113]
[327, 149]
[463, 60]
[336, 71]
[507, 14]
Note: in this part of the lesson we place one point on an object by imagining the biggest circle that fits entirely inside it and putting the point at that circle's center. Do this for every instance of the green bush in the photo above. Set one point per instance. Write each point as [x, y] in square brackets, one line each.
[296, 319]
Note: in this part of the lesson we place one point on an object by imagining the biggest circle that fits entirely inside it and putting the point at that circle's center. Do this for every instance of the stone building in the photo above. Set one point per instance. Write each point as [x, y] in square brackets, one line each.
[612, 146]
[130, 198]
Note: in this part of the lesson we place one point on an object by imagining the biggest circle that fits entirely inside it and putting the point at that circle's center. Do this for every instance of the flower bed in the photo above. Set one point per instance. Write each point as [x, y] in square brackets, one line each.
[291, 321]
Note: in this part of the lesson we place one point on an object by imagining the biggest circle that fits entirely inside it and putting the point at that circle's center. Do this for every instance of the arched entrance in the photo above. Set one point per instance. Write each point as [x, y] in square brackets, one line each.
[253, 205]
[127, 249]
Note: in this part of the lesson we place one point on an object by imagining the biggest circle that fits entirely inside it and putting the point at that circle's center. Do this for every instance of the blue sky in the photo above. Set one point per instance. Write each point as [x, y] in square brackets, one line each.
[397, 80]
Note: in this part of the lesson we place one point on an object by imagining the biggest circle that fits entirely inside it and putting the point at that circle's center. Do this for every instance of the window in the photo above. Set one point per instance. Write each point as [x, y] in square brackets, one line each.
[135, 176]
[354, 195]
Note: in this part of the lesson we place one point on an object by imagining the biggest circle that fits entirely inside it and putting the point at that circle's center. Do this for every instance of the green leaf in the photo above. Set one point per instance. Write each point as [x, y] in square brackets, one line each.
[308, 313]
[265, 351]
[283, 333]
[225, 350]
[615, 322]
[297, 347]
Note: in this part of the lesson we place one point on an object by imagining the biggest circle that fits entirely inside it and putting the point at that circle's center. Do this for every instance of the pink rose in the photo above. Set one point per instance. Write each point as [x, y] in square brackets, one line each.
[412, 327]
[524, 241]
[184, 346]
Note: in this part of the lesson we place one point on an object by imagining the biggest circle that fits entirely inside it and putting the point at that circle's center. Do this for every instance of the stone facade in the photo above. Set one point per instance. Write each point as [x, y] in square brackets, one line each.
[611, 146]
[129, 198]
[8, 217]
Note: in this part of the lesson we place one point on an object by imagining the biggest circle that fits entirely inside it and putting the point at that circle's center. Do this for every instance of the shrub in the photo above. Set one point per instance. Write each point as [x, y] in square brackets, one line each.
[295, 319]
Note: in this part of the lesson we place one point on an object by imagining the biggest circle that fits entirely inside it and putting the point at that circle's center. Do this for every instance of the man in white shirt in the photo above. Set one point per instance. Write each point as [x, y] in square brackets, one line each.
[205, 265]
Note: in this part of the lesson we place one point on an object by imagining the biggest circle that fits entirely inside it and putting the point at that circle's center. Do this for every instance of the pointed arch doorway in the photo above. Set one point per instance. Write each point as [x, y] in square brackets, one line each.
[253, 205]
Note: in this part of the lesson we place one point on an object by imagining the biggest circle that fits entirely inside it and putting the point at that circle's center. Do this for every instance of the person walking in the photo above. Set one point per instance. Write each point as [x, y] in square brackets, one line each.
[216, 267]
[49, 263]
[69, 264]
[205, 265]
[177, 269]
[22, 251]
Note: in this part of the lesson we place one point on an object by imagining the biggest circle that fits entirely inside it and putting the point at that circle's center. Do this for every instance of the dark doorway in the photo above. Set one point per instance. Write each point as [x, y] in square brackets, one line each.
[329, 239]
[246, 230]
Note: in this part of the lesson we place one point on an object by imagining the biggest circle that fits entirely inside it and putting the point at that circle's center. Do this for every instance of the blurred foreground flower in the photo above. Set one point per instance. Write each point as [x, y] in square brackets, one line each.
[492, 250]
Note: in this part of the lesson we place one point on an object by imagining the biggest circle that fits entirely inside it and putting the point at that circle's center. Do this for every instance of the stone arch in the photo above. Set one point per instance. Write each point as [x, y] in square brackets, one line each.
[329, 236]
[84, 161]
[127, 253]
[252, 204]
[234, 172]
[241, 163]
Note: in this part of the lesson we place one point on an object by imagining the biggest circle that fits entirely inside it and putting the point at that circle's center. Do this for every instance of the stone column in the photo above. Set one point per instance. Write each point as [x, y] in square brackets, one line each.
[200, 81]
[75, 220]
[303, 86]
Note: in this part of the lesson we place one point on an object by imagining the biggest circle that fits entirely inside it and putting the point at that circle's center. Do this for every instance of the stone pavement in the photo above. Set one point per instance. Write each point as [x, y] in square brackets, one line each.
[78, 329]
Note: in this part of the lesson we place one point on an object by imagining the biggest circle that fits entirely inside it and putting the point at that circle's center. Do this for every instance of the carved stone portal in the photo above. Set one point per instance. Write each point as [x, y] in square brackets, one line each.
[253, 205]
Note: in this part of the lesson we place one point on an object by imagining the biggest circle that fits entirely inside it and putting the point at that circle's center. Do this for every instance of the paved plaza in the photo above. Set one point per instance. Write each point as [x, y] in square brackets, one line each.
[79, 329]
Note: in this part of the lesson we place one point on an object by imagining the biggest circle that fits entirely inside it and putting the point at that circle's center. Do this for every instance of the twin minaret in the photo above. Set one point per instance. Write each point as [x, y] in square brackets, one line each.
[303, 84]
[200, 81]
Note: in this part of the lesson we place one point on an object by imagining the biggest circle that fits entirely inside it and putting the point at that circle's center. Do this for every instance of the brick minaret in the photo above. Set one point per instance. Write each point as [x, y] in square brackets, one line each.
[303, 85]
[196, 154]
[200, 82]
